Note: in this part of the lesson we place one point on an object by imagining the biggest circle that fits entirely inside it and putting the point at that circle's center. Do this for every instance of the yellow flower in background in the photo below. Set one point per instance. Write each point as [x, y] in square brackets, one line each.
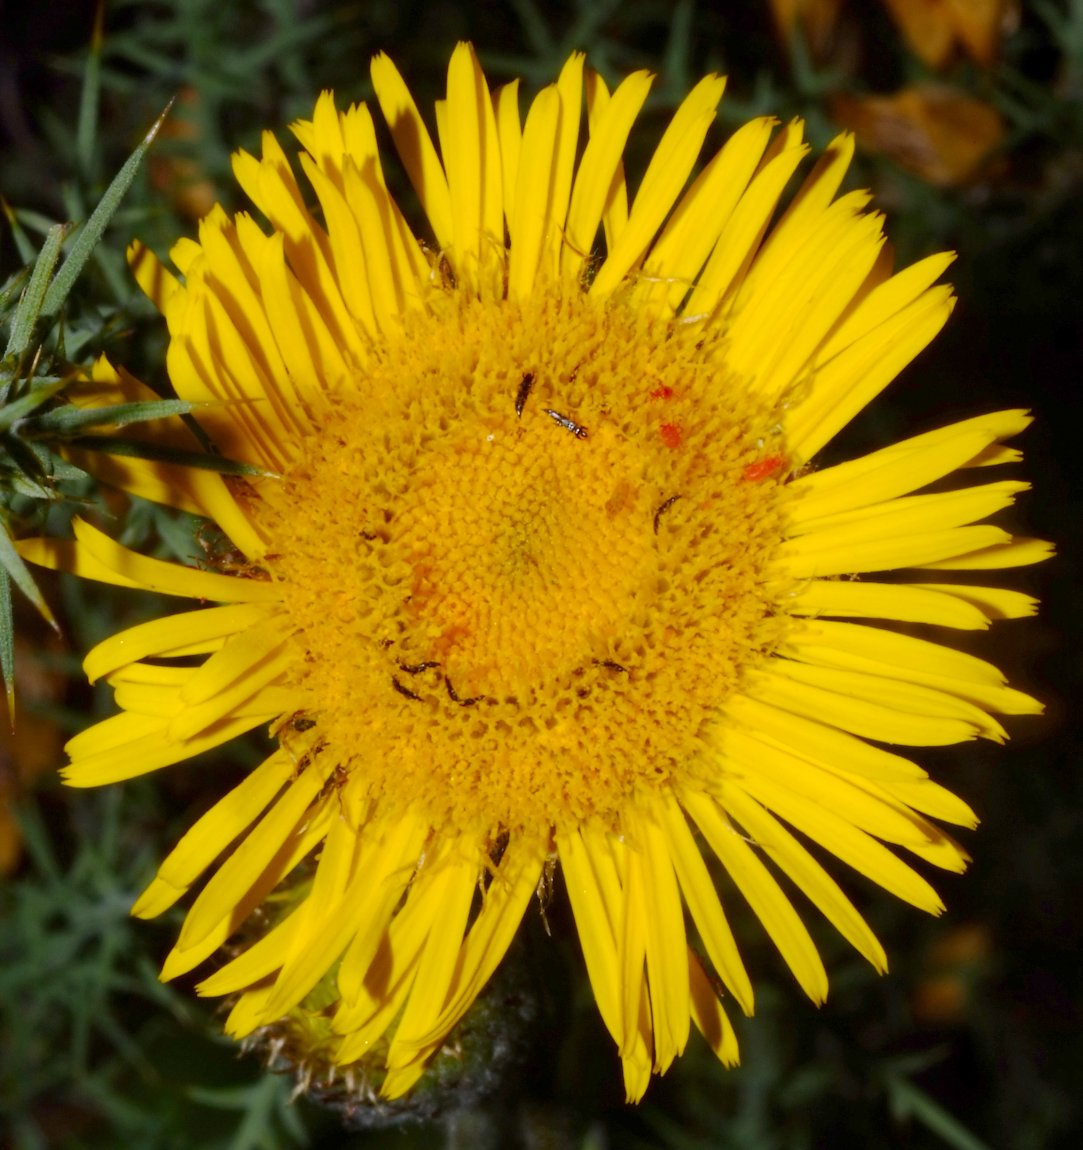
[934, 29]
[543, 576]
[937, 132]
[816, 19]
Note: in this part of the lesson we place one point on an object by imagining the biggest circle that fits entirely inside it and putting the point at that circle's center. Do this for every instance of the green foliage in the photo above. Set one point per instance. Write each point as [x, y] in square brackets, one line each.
[94, 1051]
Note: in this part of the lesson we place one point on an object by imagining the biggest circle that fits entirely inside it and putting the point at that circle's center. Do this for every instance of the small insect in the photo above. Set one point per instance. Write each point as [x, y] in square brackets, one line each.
[404, 691]
[417, 668]
[292, 725]
[497, 851]
[524, 392]
[663, 509]
[302, 764]
[762, 469]
[220, 554]
[335, 781]
[662, 391]
[454, 697]
[544, 890]
[611, 665]
[671, 434]
[570, 424]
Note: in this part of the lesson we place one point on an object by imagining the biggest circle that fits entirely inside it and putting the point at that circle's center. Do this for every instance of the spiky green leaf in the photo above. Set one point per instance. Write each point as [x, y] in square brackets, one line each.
[19, 409]
[11, 289]
[93, 229]
[13, 564]
[160, 454]
[33, 299]
[69, 420]
[7, 645]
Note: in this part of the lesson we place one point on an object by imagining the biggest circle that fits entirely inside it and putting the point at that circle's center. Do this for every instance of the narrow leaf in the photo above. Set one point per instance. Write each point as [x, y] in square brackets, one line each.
[15, 283]
[68, 420]
[86, 132]
[32, 302]
[110, 446]
[24, 246]
[13, 564]
[18, 409]
[21, 485]
[7, 645]
[93, 229]
[908, 1100]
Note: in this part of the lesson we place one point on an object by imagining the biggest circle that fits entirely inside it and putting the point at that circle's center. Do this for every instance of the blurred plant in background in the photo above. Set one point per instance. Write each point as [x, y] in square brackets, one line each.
[971, 117]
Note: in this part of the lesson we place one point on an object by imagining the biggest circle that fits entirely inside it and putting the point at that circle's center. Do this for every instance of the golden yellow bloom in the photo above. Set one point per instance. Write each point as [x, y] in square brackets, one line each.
[543, 574]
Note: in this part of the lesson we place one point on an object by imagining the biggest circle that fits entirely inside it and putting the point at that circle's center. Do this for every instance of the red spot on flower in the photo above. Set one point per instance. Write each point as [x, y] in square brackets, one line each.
[671, 434]
[762, 469]
[662, 392]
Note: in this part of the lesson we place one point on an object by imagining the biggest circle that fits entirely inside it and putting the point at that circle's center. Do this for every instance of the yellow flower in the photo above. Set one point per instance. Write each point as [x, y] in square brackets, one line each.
[935, 28]
[940, 133]
[544, 576]
[816, 19]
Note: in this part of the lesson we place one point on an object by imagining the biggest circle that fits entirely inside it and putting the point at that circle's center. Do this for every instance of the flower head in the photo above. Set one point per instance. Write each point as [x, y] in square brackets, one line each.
[541, 575]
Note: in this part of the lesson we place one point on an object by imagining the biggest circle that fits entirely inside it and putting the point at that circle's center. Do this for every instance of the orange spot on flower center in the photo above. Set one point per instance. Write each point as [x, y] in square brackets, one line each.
[762, 469]
[671, 434]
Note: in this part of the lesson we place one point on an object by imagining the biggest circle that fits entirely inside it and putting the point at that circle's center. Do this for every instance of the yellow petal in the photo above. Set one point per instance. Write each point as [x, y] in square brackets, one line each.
[530, 216]
[599, 183]
[843, 839]
[905, 602]
[356, 897]
[459, 866]
[887, 710]
[236, 876]
[205, 840]
[132, 570]
[794, 860]
[472, 161]
[744, 231]
[181, 960]
[570, 88]
[145, 748]
[161, 637]
[709, 1017]
[414, 146]
[984, 556]
[823, 744]
[509, 130]
[847, 382]
[703, 903]
[593, 925]
[511, 888]
[666, 945]
[690, 233]
[665, 176]
[900, 468]
[771, 906]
